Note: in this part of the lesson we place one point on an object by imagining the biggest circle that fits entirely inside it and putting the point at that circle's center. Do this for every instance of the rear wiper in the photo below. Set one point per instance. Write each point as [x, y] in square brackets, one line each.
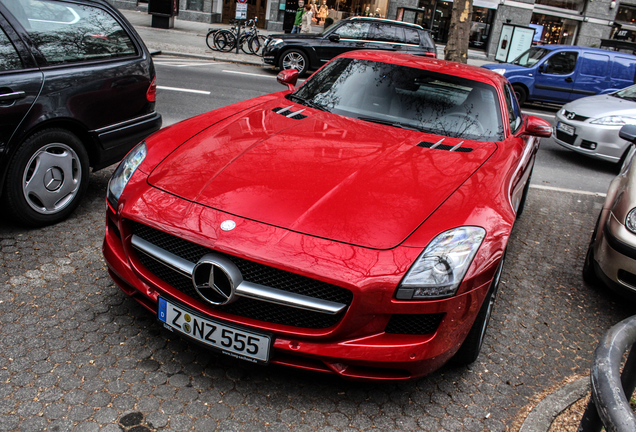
[306, 102]
[395, 124]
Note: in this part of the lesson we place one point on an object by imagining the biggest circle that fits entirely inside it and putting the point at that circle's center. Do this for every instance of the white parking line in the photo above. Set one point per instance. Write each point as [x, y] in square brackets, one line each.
[183, 90]
[247, 73]
[573, 191]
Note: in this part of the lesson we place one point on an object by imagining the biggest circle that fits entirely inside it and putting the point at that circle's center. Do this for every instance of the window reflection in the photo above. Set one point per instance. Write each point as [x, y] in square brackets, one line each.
[405, 97]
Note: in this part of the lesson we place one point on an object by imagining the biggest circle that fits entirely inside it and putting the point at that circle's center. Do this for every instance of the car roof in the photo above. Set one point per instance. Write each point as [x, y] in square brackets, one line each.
[582, 48]
[435, 65]
[361, 18]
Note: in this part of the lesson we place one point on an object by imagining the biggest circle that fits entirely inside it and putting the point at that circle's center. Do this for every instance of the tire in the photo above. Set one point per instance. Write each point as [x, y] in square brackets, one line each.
[589, 274]
[47, 178]
[469, 351]
[521, 93]
[224, 40]
[294, 59]
[209, 40]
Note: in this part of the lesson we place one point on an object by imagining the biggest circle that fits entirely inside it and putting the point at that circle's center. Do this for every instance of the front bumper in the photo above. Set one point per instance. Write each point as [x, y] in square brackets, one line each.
[356, 347]
[615, 255]
[597, 141]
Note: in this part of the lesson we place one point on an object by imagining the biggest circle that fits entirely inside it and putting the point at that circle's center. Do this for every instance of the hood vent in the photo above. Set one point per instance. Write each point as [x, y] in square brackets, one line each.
[290, 113]
[439, 146]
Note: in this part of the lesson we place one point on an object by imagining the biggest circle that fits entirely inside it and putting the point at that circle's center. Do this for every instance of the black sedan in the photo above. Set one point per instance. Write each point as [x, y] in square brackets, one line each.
[307, 51]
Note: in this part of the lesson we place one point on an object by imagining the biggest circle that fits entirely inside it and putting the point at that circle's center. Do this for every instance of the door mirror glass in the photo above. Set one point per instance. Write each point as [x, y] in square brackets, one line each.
[334, 37]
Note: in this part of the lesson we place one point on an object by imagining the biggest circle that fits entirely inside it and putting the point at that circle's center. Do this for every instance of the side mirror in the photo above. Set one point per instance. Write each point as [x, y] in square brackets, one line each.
[538, 127]
[334, 37]
[288, 77]
[628, 133]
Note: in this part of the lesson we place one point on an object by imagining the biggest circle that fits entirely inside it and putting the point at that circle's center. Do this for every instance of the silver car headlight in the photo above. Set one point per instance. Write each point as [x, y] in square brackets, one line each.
[124, 172]
[440, 269]
[614, 121]
[630, 220]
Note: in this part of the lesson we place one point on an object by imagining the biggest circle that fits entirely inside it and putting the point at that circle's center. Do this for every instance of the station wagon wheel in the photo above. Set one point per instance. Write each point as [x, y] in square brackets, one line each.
[294, 59]
[47, 177]
[469, 351]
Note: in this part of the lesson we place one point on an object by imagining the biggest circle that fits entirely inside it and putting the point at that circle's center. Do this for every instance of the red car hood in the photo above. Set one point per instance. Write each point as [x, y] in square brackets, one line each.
[323, 175]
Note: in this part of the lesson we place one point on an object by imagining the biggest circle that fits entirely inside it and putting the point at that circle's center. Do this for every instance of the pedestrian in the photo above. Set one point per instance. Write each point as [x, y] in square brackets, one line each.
[306, 20]
[299, 17]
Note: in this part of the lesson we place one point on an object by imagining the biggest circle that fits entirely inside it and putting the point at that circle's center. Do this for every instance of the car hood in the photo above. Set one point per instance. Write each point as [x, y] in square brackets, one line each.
[508, 67]
[319, 173]
[601, 106]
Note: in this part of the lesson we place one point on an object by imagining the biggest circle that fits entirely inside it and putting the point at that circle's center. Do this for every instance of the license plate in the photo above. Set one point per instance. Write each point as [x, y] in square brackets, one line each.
[230, 340]
[566, 128]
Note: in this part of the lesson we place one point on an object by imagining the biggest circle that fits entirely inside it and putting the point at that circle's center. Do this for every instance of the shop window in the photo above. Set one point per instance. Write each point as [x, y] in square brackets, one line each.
[555, 30]
[626, 14]
[562, 63]
[576, 5]
[195, 5]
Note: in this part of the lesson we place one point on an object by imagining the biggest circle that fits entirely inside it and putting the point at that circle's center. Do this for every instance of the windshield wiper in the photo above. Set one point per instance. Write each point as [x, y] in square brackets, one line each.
[395, 124]
[312, 104]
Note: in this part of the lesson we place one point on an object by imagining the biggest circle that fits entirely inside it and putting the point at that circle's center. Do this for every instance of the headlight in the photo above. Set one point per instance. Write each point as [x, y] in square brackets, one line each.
[439, 270]
[630, 220]
[499, 71]
[275, 42]
[614, 121]
[124, 172]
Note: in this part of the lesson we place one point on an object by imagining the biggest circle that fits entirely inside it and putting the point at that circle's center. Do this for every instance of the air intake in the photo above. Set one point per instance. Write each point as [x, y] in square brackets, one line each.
[289, 113]
[439, 146]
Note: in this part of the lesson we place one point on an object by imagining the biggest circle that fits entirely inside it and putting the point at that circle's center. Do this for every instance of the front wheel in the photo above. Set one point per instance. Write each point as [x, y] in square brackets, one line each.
[521, 93]
[294, 59]
[47, 177]
[469, 351]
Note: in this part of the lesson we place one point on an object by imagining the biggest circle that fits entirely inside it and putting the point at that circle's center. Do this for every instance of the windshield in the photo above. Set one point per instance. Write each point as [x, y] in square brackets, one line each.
[628, 93]
[530, 57]
[405, 97]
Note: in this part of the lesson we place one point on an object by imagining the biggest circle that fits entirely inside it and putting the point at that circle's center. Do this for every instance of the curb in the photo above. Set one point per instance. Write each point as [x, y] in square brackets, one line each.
[541, 417]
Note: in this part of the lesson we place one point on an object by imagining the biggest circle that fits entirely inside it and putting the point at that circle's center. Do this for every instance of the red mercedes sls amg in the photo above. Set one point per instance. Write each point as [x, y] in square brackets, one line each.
[356, 225]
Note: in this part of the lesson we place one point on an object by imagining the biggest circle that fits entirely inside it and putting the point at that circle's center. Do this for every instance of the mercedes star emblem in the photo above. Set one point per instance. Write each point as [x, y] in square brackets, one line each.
[215, 278]
[228, 225]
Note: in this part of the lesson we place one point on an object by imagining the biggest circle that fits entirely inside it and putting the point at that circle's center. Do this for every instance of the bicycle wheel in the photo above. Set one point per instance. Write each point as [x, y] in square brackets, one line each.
[209, 40]
[244, 43]
[256, 44]
[224, 40]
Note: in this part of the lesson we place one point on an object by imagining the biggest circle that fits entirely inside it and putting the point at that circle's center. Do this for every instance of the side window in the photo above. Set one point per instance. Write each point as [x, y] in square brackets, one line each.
[354, 30]
[69, 32]
[9, 58]
[623, 68]
[561, 63]
[411, 36]
[514, 112]
[387, 33]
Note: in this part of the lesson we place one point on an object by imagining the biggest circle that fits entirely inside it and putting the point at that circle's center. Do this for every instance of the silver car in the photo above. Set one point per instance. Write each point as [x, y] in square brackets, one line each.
[590, 125]
[611, 255]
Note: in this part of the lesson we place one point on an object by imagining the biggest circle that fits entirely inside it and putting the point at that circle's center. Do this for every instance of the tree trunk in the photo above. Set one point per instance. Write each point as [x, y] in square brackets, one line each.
[459, 32]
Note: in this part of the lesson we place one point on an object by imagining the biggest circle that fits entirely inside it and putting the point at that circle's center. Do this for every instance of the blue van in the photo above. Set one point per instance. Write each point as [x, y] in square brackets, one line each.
[562, 73]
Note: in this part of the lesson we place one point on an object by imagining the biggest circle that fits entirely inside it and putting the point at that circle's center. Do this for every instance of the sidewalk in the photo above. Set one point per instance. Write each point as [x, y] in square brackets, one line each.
[187, 38]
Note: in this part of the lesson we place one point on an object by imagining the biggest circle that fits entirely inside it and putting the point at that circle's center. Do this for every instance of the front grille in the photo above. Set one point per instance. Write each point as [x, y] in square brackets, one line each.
[570, 115]
[419, 324]
[251, 272]
[566, 138]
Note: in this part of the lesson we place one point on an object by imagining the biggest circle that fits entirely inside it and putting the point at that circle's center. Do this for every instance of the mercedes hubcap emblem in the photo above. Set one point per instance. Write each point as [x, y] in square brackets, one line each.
[228, 225]
[53, 179]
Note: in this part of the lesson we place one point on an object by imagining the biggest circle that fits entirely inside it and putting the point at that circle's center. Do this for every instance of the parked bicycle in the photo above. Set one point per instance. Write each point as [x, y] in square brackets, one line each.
[224, 40]
[209, 38]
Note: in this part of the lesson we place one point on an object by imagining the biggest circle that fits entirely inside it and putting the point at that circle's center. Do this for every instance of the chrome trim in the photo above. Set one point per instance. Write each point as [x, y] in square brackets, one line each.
[244, 288]
[125, 123]
[294, 113]
[173, 261]
[457, 146]
[437, 143]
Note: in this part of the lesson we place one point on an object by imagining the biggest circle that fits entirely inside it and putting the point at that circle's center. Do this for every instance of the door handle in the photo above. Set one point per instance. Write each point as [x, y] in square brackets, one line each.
[12, 96]
[569, 79]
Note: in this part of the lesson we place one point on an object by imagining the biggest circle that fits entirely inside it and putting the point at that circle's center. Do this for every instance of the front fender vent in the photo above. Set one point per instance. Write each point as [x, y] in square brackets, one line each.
[439, 146]
[290, 112]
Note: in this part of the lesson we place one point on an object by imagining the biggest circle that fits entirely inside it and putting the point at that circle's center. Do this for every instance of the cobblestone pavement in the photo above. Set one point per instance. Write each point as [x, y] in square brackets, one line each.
[77, 354]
